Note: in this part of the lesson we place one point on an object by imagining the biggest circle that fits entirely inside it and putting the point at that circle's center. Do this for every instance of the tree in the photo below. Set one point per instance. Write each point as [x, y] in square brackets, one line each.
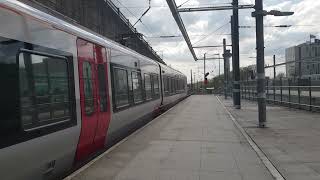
[280, 75]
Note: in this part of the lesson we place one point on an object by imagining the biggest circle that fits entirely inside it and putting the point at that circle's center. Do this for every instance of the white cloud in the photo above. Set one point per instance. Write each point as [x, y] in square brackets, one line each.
[159, 21]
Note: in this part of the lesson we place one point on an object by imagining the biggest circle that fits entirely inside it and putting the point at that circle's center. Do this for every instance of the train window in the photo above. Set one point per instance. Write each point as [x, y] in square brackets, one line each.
[102, 87]
[44, 90]
[121, 87]
[88, 88]
[182, 85]
[9, 91]
[147, 86]
[176, 85]
[167, 85]
[156, 89]
[136, 86]
[130, 92]
[37, 92]
[172, 85]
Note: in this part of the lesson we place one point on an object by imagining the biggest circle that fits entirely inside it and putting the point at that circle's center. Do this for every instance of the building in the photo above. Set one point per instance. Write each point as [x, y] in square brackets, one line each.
[303, 60]
[248, 72]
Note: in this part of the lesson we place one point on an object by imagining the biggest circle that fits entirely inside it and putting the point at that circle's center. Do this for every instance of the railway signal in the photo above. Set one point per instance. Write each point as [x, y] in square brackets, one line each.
[206, 78]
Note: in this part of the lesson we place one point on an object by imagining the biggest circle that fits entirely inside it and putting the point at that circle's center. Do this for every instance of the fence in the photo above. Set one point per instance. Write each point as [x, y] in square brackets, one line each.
[293, 93]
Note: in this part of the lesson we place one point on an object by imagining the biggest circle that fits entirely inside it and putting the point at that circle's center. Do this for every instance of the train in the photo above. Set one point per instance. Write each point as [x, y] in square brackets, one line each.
[68, 93]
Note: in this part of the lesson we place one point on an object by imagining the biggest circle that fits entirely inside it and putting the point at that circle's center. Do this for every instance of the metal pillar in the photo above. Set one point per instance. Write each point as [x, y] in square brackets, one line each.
[300, 63]
[274, 78]
[219, 67]
[225, 68]
[232, 48]
[274, 67]
[204, 72]
[235, 55]
[197, 86]
[229, 55]
[261, 94]
[204, 67]
[191, 85]
[226, 60]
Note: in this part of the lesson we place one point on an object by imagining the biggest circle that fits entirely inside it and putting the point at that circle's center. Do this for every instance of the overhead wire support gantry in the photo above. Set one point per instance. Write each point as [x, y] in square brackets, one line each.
[258, 14]
[175, 10]
[214, 8]
[235, 37]
[197, 47]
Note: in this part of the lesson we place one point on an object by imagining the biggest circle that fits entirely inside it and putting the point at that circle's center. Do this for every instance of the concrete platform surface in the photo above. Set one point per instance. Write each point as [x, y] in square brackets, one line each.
[195, 140]
[291, 141]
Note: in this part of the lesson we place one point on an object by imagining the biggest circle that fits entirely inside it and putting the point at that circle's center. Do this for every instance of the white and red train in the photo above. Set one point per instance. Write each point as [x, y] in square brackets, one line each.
[68, 93]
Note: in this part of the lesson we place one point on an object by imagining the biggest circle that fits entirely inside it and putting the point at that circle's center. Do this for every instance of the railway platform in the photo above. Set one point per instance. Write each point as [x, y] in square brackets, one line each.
[290, 141]
[195, 140]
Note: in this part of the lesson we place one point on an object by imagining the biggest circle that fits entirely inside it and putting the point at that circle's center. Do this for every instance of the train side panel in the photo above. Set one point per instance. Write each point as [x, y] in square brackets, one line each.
[40, 125]
[133, 110]
[36, 150]
[171, 94]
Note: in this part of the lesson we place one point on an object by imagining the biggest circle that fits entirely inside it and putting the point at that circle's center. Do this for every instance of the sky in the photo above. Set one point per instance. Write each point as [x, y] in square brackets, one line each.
[209, 28]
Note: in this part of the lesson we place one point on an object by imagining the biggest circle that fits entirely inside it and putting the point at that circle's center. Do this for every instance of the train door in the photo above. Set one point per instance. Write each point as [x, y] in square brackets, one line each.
[95, 115]
[161, 85]
[103, 94]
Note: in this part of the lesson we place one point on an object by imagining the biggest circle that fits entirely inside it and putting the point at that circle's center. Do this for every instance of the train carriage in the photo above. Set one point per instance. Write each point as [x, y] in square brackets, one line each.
[174, 85]
[68, 93]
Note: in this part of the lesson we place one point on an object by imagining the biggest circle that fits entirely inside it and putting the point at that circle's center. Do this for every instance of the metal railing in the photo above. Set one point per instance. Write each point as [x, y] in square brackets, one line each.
[300, 93]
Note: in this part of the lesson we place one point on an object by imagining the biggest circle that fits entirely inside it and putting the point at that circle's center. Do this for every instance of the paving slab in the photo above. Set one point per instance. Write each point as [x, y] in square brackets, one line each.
[195, 140]
[291, 140]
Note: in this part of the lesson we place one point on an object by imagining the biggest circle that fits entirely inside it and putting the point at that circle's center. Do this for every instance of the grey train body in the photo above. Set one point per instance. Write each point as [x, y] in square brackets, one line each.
[48, 151]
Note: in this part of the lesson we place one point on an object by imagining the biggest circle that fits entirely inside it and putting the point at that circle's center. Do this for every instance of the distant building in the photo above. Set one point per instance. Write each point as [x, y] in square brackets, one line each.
[309, 55]
[249, 72]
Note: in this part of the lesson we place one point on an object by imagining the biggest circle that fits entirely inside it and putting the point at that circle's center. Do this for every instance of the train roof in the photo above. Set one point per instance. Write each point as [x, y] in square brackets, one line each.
[171, 69]
[75, 29]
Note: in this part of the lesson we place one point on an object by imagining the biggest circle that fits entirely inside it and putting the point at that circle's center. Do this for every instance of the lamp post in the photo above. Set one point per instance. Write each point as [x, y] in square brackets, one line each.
[226, 55]
[261, 94]
[204, 72]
